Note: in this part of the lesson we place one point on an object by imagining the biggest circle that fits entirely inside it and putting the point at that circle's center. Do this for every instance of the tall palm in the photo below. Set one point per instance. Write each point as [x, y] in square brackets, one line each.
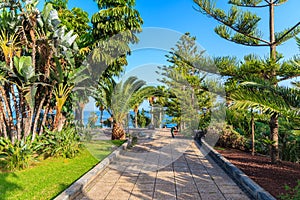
[125, 96]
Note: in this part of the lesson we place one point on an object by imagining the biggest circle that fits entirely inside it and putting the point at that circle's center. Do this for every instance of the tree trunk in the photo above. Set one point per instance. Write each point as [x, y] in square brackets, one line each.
[79, 115]
[118, 132]
[274, 137]
[101, 118]
[253, 133]
[136, 118]
[8, 111]
[37, 118]
[17, 111]
[2, 121]
[46, 111]
[274, 118]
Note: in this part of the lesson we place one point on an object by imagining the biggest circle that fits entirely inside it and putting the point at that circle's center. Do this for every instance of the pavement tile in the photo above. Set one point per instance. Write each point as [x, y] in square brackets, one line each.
[212, 196]
[160, 169]
[118, 194]
[144, 187]
[124, 185]
[138, 195]
[163, 195]
[187, 188]
[164, 181]
[165, 187]
[188, 196]
[239, 196]
[129, 179]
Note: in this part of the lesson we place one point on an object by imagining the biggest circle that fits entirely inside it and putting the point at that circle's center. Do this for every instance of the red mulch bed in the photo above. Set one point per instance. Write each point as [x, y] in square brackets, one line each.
[271, 177]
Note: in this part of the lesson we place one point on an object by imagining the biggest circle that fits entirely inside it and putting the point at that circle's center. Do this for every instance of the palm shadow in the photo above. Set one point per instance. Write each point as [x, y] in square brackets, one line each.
[7, 185]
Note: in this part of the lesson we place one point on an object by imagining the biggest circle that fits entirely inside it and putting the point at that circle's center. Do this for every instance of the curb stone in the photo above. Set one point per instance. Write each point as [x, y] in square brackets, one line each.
[238, 176]
[76, 188]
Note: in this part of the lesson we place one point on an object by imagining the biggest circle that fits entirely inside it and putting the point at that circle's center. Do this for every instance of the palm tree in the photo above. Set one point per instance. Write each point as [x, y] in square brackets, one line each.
[122, 97]
[262, 96]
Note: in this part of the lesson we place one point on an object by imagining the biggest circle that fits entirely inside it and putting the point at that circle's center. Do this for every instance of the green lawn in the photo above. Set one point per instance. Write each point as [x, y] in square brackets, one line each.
[51, 176]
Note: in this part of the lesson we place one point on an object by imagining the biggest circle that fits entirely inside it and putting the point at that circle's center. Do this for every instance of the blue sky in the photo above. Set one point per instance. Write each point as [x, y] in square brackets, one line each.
[179, 15]
[176, 17]
[171, 18]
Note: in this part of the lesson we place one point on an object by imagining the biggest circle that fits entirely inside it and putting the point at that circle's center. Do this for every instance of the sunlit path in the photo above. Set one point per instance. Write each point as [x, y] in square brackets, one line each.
[160, 167]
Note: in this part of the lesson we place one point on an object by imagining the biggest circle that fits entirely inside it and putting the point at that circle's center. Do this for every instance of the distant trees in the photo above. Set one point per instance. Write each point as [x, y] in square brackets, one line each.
[187, 91]
[241, 27]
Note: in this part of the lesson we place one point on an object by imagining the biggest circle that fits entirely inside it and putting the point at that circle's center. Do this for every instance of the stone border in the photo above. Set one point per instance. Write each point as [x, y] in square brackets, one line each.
[238, 176]
[77, 187]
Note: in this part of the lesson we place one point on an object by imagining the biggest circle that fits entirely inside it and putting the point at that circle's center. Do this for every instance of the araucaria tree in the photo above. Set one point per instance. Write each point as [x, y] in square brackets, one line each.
[187, 90]
[241, 26]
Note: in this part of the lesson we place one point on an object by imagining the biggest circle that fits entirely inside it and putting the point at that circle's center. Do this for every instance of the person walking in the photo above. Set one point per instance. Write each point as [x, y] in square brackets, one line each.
[174, 128]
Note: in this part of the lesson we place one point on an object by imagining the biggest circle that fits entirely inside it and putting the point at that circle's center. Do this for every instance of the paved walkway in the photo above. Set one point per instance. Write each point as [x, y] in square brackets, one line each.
[162, 168]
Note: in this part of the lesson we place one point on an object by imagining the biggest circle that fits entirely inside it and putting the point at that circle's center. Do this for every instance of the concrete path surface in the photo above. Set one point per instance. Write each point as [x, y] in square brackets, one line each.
[160, 167]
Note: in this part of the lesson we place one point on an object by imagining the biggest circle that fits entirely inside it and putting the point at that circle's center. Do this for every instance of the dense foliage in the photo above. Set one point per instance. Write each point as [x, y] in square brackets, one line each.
[241, 26]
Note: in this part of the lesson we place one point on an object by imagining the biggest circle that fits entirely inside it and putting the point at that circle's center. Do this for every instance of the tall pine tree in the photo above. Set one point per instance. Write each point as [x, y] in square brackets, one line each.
[241, 27]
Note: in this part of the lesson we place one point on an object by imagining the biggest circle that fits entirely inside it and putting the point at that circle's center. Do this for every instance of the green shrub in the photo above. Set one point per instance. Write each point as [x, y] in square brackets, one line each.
[290, 147]
[65, 143]
[292, 193]
[230, 138]
[16, 156]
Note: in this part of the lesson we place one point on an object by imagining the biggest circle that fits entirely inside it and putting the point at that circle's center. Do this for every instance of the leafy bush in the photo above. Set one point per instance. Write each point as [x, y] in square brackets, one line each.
[65, 143]
[231, 139]
[142, 119]
[292, 193]
[290, 147]
[92, 120]
[16, 155]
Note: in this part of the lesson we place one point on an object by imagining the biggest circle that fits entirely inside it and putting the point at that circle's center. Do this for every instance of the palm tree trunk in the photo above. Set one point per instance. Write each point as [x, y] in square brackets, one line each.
[46, 113]
[17, 111]
[136, 118]
[101, 118]
[2, 120]
[37, 117]
[8, 111]
[118, 132]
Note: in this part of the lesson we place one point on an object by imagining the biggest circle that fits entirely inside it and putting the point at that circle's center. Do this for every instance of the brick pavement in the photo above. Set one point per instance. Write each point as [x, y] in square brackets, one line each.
[160, 167]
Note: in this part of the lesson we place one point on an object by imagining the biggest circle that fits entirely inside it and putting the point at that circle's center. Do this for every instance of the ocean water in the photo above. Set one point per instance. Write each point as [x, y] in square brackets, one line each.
[106, 115]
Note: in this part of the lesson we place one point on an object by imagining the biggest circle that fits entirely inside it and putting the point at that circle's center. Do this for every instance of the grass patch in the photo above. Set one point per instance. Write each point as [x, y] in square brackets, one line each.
[219, 148]
[50, 177]
[118, 142]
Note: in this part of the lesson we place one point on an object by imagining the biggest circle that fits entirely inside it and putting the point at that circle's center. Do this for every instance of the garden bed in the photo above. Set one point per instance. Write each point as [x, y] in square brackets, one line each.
[272, 177]
[48, 178]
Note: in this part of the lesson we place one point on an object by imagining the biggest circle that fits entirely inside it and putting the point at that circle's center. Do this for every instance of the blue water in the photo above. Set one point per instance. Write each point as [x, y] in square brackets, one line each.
[106, 115]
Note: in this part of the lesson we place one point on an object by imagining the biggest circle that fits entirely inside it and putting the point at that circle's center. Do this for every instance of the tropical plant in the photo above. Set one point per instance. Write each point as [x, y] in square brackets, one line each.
[92, 120]
[65, 143]
[114, 28]
[229, 138]
[140, 119]
[125, 96]
[241, 27]
[16, 155]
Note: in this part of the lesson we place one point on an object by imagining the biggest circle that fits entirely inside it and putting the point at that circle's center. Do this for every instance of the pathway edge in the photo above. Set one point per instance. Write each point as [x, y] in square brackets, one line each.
[238, 176]
[76, 188]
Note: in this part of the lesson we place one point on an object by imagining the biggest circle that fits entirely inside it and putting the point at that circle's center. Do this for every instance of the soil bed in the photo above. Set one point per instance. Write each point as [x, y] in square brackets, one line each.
[272, 177]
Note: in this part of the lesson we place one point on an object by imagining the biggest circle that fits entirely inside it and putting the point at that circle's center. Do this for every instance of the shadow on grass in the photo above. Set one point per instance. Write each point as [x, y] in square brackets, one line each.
[7, 185]
[62, 187]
